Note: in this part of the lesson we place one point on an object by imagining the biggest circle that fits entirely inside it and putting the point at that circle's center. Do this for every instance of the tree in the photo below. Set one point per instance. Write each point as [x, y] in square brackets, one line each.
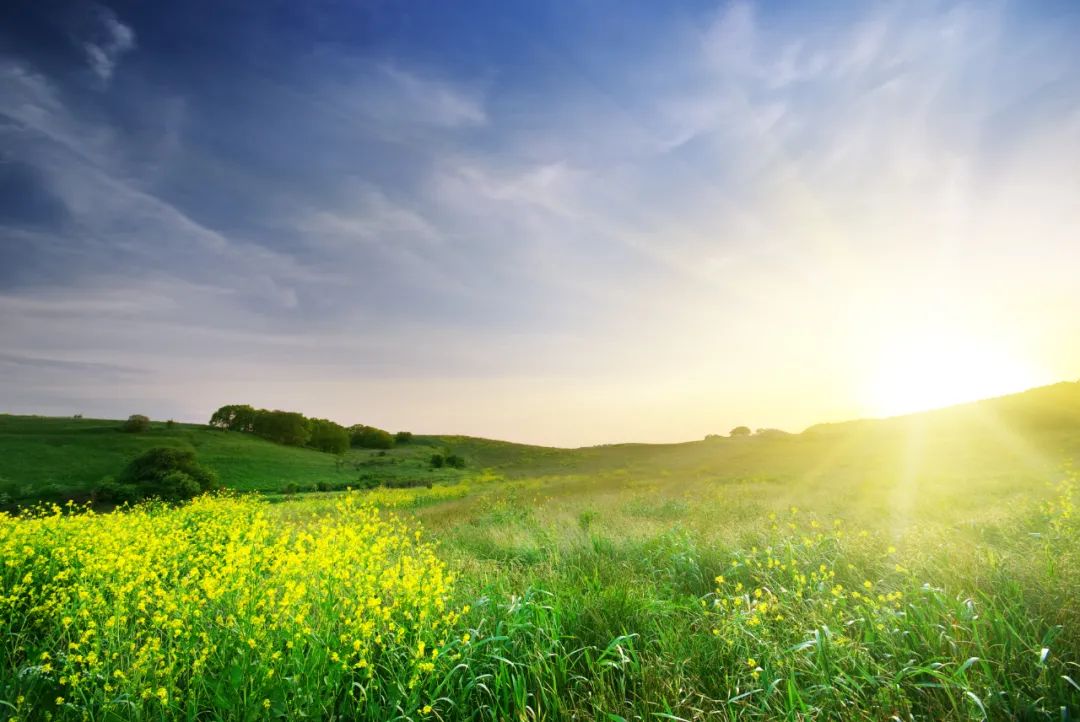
[167, 473]
[403, 437]
[437, 461]
[369, 437]
[328, 436]
[741, 431]
[454, 461]
[136, 424]
[234, 417]
[284, 427]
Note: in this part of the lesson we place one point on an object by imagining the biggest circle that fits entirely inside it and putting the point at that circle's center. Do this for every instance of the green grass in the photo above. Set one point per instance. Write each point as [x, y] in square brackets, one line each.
[59, 458]
[922, 568]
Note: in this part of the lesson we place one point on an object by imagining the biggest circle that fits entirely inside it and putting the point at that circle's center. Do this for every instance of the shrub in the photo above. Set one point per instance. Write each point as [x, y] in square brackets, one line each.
[437, 461]
[170, 474]
[455, 462]
[170, 424]
[403, 437]
[323, 486]
[136, 424]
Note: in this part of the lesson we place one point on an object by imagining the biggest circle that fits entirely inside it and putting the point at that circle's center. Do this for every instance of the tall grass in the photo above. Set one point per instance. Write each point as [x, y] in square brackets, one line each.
[237, 609]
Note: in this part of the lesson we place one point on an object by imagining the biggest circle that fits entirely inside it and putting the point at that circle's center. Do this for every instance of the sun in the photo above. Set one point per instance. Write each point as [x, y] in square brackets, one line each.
[935, 369]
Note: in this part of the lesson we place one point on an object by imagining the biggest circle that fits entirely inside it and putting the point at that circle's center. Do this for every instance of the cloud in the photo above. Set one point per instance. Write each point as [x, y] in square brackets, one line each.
[735, 195]
[113, 39]
[418, 99]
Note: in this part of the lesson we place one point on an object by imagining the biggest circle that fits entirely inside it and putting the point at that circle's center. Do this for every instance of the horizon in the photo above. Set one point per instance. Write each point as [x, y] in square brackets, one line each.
[557, 225]
[633, 442]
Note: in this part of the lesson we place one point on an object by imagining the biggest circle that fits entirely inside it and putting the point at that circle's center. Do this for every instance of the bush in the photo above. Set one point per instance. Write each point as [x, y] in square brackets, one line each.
[403, 437]
[455, 462]
[437, 461]
[323, 486]
[170, 474]
[170, 424]
[136, 424]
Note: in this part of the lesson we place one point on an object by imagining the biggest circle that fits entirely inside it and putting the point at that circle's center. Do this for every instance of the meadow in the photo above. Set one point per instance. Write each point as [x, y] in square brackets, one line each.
[924, 568]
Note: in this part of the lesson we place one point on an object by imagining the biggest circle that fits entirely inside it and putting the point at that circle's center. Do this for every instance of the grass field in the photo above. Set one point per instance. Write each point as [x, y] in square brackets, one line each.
[59, 459]
[919, 568]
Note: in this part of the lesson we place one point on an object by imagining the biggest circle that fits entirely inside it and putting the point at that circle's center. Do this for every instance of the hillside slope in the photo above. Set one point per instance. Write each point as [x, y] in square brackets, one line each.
[1025, 437]
[54, 458]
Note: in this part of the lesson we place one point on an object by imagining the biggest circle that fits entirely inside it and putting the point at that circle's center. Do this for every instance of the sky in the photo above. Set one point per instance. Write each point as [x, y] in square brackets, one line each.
[565, 223]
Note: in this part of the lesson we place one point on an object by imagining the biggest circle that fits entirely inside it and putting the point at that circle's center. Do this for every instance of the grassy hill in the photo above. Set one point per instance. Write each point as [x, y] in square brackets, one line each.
[1021, 437]
[58, 458]
[920, 567]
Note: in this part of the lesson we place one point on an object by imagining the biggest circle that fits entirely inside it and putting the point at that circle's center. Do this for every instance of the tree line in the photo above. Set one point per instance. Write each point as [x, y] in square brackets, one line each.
[292, 428]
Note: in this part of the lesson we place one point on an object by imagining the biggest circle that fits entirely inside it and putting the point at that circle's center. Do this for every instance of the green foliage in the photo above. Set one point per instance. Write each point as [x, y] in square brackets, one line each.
[234, 417]
[369, 437]
[403, 437]
[57, 459]
[328, 436]
[437, 461]
[166, 473]
[282, 427]
[136, 424]
[454, 461]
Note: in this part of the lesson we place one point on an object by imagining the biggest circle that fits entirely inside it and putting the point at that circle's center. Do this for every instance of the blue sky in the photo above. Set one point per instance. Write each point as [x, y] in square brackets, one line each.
[565, 223]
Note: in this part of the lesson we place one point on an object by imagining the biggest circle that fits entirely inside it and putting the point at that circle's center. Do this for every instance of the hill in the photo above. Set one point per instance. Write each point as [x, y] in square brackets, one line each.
[54, 459]
[1023, 436]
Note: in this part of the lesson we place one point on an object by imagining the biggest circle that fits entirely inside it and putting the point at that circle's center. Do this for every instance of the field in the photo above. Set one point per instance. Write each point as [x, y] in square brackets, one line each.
[919, 568]
[44, 458]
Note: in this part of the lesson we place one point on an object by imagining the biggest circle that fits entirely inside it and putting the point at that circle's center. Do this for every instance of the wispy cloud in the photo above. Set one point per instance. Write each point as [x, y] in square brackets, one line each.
[112, 40]
[414, 219]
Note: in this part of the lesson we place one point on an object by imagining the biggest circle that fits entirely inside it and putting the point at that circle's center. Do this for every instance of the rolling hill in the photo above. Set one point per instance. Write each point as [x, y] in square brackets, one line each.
[1024, 437]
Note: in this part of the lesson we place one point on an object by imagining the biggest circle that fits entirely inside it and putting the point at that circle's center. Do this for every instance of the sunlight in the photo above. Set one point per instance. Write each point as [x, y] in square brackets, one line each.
[931, 370]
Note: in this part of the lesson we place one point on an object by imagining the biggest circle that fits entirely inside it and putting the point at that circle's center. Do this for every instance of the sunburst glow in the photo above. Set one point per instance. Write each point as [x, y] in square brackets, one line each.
[934, 369]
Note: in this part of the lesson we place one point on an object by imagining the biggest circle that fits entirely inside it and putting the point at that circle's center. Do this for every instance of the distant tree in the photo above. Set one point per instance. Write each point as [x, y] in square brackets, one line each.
[454, 461]
[369, 437]
[325, 435]
[77, 416]
[136, 424]
[234, 417]
[166, 473]
[741, 431]
[712, 437]
[170, 424]
[772, 433]
[437, 461]
[284, 427]
[403, 437]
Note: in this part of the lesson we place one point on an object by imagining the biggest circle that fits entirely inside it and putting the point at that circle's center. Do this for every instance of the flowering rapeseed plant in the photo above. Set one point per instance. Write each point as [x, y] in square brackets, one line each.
[213, 605]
